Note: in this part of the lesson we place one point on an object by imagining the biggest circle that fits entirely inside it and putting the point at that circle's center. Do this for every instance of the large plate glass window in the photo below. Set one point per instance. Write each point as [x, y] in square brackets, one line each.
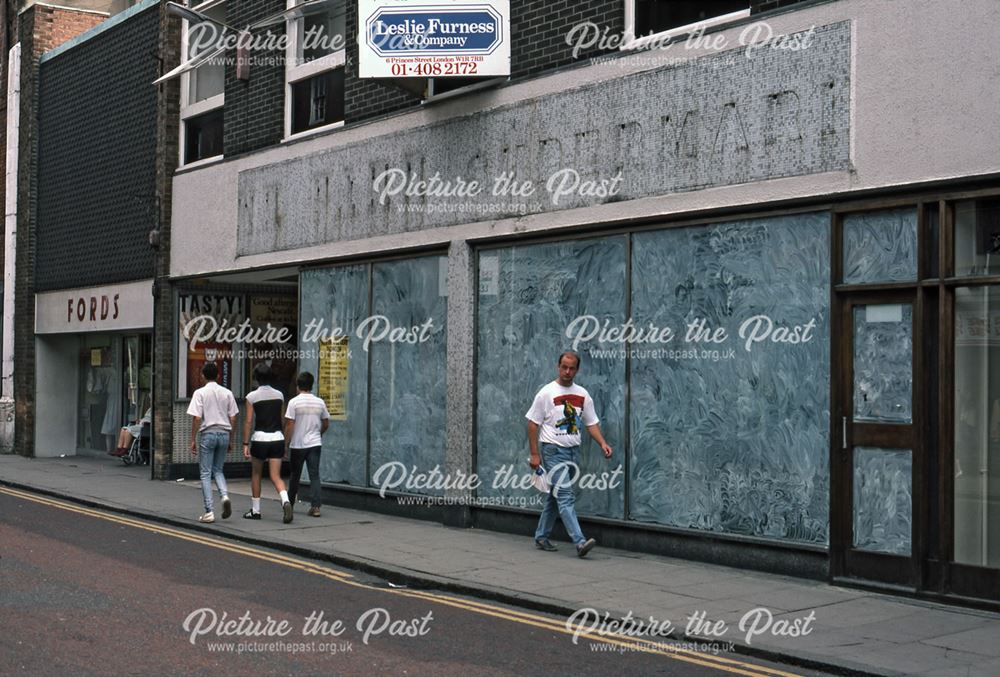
[374, 337]
[529, 297]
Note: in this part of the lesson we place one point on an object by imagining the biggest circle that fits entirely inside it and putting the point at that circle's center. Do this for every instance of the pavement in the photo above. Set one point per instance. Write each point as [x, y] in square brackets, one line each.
[843, 630]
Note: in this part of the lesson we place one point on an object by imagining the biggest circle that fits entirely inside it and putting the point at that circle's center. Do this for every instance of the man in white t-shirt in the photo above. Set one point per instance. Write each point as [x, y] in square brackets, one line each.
[306, 419]
[213, 411]
[560, 409]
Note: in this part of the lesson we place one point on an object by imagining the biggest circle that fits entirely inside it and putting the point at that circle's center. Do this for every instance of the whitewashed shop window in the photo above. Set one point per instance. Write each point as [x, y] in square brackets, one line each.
[720, 437]
[664, 18]
[528, 297]
[202, 89]
[314, 69]
[375, 335]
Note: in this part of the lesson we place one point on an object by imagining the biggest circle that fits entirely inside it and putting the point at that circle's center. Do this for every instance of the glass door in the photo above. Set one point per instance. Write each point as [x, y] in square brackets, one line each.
[874, 462]
[976, 468]
[138, 374]
[99, 392]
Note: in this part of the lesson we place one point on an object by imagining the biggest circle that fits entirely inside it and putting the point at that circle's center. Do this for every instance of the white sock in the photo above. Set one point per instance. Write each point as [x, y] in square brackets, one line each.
[284, 496]
[255, 504]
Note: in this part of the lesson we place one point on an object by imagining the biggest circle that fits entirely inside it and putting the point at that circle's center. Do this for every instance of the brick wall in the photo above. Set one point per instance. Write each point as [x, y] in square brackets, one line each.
[254, 110]
[55, 25]
[254, 116]
[540, 31]
[40, 29]
[167, 141]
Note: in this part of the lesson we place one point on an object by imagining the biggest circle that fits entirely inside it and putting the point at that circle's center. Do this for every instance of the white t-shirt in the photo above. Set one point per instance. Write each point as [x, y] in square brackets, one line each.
[308, 412]
[561, 412]
[213, 404]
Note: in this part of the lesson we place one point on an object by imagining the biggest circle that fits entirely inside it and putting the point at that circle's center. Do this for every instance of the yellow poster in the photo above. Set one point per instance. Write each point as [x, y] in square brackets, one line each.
[333, 363]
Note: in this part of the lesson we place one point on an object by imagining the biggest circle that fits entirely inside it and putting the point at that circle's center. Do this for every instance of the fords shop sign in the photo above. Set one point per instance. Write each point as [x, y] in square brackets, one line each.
[413, 39]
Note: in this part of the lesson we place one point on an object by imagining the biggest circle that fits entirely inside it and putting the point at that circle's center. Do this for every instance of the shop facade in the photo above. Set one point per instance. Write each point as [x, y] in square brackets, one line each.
[214, 324]
[96, 148]
[781, 297]
[96, 343]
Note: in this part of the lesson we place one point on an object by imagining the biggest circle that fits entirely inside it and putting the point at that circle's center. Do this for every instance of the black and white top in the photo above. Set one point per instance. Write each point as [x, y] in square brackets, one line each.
[267, 404]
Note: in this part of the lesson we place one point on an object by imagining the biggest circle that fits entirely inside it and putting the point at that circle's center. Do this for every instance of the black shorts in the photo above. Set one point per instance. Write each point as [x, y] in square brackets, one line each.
[265, 450]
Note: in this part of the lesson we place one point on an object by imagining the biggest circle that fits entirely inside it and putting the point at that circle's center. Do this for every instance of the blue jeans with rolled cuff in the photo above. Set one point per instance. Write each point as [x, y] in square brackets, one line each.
[561, 500]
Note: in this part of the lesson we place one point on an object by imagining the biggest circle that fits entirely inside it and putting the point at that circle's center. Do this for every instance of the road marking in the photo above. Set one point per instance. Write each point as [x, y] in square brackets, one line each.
[561, 626]
[176, 533]
[521, 617]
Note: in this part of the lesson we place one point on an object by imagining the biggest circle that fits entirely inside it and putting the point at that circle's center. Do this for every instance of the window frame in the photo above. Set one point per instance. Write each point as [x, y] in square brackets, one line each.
[296, 72]
[188, 110]
[631, 42]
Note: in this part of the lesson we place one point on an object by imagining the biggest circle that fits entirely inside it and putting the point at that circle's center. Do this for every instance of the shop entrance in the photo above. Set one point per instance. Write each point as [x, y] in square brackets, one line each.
[877, 450]
[114, 387]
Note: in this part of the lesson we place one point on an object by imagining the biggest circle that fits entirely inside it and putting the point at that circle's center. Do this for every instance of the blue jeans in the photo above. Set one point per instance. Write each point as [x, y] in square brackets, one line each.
[212, 448]
[310, 457]
[561, 500]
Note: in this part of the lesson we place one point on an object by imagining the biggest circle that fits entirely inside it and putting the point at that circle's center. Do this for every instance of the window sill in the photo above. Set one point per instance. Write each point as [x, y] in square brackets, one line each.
[475, 87]
[201, 163]
[312, 132]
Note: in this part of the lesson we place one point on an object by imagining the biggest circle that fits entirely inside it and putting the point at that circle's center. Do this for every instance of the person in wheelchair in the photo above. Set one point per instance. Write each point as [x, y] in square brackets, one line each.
[130, 433]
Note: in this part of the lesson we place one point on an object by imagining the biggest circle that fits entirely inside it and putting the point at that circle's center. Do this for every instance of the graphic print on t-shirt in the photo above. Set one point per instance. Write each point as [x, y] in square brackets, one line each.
[572, 406]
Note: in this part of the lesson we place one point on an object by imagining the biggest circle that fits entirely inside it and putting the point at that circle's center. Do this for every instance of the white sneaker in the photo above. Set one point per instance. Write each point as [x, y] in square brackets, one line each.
[207, 518]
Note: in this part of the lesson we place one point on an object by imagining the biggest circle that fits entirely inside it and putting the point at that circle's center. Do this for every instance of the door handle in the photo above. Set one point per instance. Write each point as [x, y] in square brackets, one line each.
[843, 433]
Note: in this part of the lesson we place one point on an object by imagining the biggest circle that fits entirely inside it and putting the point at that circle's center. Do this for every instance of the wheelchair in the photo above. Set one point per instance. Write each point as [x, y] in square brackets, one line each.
[138, 452]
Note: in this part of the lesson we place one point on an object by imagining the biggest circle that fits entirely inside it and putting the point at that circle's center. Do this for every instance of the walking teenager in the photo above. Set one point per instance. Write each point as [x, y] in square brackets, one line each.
[213, 413]
[306, 420]
[266, 445]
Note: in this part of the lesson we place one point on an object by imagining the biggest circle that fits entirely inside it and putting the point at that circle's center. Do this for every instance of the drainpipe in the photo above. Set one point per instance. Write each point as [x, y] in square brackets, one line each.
[10, 238]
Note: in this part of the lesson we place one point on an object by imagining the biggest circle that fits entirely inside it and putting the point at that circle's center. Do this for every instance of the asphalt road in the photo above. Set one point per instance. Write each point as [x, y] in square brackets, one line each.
[88, 592]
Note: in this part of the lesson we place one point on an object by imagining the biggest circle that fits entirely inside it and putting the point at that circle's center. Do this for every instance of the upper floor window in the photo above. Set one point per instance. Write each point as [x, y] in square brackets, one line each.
[202, 89]
[651, 17]
[314, 70]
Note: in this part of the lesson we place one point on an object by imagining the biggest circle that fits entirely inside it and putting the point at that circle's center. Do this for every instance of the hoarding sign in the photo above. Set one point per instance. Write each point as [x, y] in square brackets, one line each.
[407, 38]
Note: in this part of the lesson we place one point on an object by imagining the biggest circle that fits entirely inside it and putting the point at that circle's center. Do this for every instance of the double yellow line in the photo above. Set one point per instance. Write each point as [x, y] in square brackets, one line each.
[483, 609]
[183, 535]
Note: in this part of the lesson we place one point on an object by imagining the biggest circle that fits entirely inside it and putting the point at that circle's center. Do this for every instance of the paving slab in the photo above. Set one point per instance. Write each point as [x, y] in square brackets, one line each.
[910, 658]
[983, 640]
[925, 626]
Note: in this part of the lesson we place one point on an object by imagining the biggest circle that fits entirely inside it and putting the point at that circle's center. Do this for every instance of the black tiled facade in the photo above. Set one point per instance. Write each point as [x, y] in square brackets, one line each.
[96, 186]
